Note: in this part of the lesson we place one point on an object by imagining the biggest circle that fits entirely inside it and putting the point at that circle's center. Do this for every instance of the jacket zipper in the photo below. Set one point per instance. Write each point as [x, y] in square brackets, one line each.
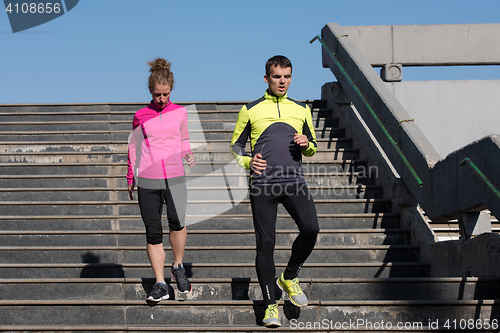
[278, 105]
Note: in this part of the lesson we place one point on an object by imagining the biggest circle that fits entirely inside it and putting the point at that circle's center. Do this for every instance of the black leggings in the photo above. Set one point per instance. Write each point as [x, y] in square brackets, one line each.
[152, 193]
[299, 204]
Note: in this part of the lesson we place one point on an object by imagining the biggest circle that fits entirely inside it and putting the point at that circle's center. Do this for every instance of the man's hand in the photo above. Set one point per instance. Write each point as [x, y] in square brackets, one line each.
[130, 191]
[191, 160]
[301, 140]
[257, 164]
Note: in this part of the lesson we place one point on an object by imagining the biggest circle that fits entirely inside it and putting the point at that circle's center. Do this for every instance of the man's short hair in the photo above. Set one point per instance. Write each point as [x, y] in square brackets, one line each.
[277, 60]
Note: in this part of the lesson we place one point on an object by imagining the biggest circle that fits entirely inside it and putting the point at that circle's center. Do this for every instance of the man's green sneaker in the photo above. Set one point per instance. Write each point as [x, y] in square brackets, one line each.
[271, 316]
[292, 288]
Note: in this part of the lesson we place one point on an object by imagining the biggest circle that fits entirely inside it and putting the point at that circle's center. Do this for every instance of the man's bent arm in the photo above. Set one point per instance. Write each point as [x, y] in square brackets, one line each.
[308, 130]
[240, 136]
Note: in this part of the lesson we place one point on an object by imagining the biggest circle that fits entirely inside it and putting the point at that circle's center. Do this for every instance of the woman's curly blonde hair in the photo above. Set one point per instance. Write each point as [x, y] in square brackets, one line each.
[160, 73]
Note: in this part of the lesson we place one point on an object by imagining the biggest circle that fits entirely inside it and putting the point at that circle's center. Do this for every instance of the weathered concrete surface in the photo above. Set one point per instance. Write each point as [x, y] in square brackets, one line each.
[451, 114]
[479, 256]
[428, 45]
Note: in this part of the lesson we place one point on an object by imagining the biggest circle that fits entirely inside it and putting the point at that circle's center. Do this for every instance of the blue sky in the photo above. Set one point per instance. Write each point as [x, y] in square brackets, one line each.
[98, 51]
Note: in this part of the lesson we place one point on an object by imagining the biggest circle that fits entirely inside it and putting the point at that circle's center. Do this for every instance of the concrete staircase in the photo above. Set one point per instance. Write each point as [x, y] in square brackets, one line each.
[72, 245]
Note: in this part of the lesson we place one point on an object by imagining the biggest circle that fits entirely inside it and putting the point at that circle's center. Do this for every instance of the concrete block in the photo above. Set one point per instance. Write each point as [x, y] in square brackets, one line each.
[392, 72]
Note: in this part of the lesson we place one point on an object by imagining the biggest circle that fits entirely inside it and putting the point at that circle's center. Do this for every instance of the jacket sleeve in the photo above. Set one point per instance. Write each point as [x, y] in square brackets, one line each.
[308, 130]
[240, 136]
[133, 145]
[185, 146]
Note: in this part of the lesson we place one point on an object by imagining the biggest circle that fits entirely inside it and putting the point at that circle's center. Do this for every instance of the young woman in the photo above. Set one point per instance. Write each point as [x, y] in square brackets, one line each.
[158, 143]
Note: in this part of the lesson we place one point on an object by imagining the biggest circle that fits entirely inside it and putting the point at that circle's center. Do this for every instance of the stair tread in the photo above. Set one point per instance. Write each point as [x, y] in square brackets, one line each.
[192, 231]
[200, 303]
[211, 329]
[86, 152]
[198, 188]
[255, 280]
[189, 201]
[125, 265]
[347, 215]
[220, 247]
[192, 175]
[124, 142]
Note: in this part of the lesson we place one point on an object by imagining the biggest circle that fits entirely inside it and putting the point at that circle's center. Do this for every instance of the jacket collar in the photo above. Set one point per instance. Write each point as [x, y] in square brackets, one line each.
[153, 106]
[273, 98]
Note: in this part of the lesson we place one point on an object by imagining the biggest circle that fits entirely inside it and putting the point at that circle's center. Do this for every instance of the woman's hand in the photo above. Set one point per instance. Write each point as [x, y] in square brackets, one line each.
[191, 160]
[130, 191]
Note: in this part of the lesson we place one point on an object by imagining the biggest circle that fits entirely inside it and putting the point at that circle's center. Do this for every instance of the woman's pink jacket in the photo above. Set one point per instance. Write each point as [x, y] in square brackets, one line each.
[158, 142]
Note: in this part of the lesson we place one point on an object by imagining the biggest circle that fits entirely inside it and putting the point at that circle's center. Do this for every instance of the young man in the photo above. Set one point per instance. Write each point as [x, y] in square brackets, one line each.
[280, 130]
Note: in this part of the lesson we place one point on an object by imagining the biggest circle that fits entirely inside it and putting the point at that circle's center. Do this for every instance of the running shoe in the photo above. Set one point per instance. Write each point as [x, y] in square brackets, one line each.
[292, 288]
[271, 316]
[158, 293]
[178, 273]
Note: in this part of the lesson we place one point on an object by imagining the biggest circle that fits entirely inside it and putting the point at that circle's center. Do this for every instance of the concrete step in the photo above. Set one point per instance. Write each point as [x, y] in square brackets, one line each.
[320, 327]
[9, 109]
[120, 168]
[217, 178]
[197, 145]
[26, 110]
[34, 117]
[54, 146]
[194, 193]
[194, 207]
[57, 126]
[248, 289]
[122, 135]
[400, 315]
[91, 268]
[219, 254]
[105, 154]
[99, 135]
[227, 222]
[120, 108]
[131, 107]
[194, 114]
[66, 136]
[125, 123]
[126, 116]
[198, 237]
[117, 125]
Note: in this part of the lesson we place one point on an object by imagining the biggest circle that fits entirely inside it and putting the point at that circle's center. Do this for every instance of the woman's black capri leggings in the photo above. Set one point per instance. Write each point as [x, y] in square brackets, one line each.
[152, 193]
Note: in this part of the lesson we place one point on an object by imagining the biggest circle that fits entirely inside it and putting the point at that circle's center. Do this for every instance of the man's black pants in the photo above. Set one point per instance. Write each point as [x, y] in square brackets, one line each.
[299, 204]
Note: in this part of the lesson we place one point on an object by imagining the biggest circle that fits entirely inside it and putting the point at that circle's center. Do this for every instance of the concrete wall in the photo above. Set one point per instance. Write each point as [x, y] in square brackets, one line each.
[428, 45]
[451, 114]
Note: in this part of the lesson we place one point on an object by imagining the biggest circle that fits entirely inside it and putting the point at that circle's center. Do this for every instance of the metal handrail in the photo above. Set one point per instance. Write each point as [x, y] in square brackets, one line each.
[379, 122]
[481, 175]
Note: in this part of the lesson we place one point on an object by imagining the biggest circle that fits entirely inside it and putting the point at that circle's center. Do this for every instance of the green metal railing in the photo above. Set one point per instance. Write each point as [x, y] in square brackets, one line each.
[377, 119]
[481, 175]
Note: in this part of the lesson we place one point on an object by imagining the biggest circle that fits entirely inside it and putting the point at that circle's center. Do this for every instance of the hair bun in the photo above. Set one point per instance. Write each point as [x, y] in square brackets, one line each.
[160, 73]
[159, 64]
